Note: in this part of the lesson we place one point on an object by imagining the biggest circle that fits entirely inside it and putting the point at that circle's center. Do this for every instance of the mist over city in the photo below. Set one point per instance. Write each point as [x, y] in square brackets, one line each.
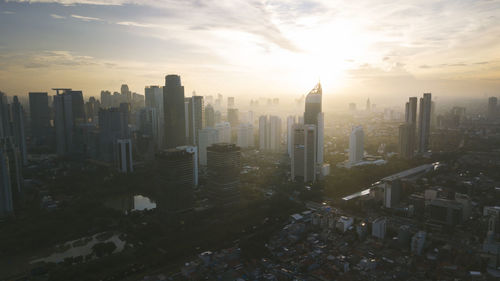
[249, 140]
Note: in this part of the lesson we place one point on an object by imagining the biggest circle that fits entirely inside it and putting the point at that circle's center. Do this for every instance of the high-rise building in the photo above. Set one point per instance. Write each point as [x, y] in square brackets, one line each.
[304, 153]
[209, 116]
[113, 125]
[407, 131]
[492, 108]
[270, 133]
[224, 167]
[193, 151]
[406, 141]
[39, 116]
[223, 132]
[126, 93]
[368, 105]
[356, 145]
[230, 102]
[154, 99]
[206, 138]
[124, 156]
[379, 228]
[69, 114]
[418, 242]
[424, 124]
[106, 99]
[17, 112]
[233, 117]
[245, 135]
[176, 170]
[6, 201]
[173, 106]
[13, 185]
[290, 121]
[4, 116]
[313, 115]
[194, 118]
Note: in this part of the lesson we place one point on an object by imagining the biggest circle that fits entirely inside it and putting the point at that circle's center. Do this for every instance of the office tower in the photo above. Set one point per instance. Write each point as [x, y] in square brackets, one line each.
[224, 166]
[313, 115]
[424, 123]
[40, 116]
[194, 118]
[368, 105]
[406, 141]
[193, 150]
[148, 122]
[113, 125]
[173, 106]
[275, 133]
[17, 112]
[206, 138]
[64, 123]
[106, 99]
[125, 93]
[154, 99]
[175, 172]
[290, 121]
[138, 101]
[352, 106]
[392, 192]
[379, 228]
[270, 133]
[418, 242]
[230, 102]
[13, 157]
[124, 156]
[6, 202]
[4, 116]
[356, 145]
[233, 117]
[263, 133]
[407, 131]
[209, 116]
[245, 135]
[433, 115]
[92, 110]
[492, 108]
[224, 132]
[304, 153]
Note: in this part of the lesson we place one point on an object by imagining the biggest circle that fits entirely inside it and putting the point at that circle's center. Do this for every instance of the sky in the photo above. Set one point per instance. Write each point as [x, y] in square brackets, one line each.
[385, 49]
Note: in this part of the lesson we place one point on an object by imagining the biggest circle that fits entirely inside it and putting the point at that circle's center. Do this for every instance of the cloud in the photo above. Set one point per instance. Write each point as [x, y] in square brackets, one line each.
[83, 18]
[57, 16]
[8, 12]
[137, 24]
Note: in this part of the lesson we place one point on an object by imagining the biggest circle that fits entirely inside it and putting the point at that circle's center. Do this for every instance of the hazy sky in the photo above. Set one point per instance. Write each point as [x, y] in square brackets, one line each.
[363, 48]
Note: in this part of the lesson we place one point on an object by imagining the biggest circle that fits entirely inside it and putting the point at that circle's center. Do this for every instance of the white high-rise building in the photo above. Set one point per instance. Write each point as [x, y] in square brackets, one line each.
[194, 151]
[356, 145]
[245, 135]
[125, 161]
[224, 131]
[290, 121]
[206, 138]
[270, 133]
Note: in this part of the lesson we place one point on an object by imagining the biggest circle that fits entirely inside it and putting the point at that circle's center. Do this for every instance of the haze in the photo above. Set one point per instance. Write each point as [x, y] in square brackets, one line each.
[254, 48]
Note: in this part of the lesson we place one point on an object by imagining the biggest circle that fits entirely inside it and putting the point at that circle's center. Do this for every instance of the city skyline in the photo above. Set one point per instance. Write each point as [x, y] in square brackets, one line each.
[236, 48]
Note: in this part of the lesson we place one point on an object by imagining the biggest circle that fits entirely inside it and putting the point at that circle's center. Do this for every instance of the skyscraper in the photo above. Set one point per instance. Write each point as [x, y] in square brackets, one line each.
[290, 121]
[270, 133]
[113, 125]
[192, 150]
[173, 106]
[206, 138]
[194, 118]
[223, 132]
[209, 116]
[424, 123]
[304, 153]
[106, 99]
[18, 128]
[407, 131]
[245, 135]
[233, 117]
[224, 167]
[356, 145]
[64, 123]
[492, 108]
[4, 116]
[124, 158]
[6, 202]
[154, 99]
[313, 115]
[39, 116]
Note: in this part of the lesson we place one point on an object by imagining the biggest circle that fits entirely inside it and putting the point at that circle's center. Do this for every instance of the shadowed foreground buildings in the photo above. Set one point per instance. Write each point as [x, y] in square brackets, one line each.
[40, 117]
[224, 167]
[304, 153]
[173, 105]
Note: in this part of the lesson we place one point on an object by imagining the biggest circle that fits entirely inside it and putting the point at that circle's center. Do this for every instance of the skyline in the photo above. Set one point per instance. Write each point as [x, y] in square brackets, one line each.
[251, 49]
